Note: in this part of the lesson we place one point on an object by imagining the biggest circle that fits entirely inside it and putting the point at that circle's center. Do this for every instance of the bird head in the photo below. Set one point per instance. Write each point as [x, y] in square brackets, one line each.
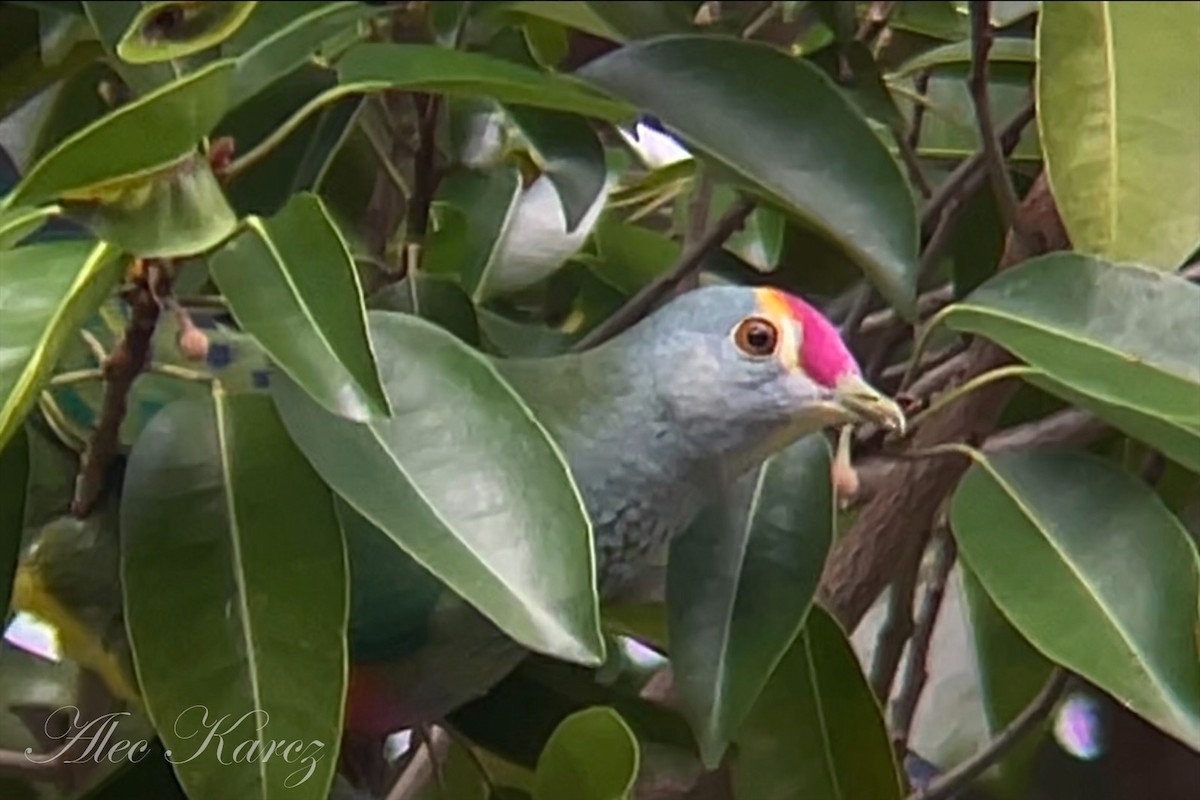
[751, 369]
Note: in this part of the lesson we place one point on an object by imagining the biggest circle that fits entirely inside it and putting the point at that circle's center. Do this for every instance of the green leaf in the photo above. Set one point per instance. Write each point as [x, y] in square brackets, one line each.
[111, 19]
[631, 256]
[1109, 331]
[46, 292]
[179, 212]
[639, 20]
[470, 250]
[437, 298]
[569, 153]
[785, 131]
[286, 48]
[459, 502]
[174, 29]
[1117, 111]
[250, 583]
[17, 223]
[740, 583]
[14, 466]
[760, 242]
[1175, 439]
[592, 755]
[1003, 13]
[142, 137]
[290, 282]
[378, 66]
[1091, 568]
[1005, 48]
[816, 731]
[461, 778]
[579, 15]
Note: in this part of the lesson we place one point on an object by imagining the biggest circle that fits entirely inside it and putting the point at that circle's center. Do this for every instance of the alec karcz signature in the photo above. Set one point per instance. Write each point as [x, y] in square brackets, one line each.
[227, 739]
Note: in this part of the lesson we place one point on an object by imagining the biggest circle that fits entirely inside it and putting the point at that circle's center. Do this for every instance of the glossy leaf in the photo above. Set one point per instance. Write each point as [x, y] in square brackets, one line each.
[1004, 48]
[1093, 570]
[740, 582]
[1117, 111]
[570, 155]
[18, 223]
[250, 583]
[811, 153]
[460, 503]
[179, 212]
[592, 755]
[376, 66]
[46, 292]
[816, 732]
[436, 298]
[1118, 339]
[14, 467]
[286, 48]
[290, 282]
[631, 256]
[176, 29]
[111, 19]
[166, 126]
[577, 14]
[471, 249]
[1176, 439]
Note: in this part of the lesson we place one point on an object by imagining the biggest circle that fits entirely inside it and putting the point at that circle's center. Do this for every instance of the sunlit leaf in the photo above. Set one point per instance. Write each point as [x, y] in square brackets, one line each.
[1117, 111]
[592, 755]
[18, 223]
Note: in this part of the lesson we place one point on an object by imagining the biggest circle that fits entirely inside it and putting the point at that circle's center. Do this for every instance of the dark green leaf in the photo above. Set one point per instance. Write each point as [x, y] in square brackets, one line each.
[285, 48]
[1003, 49]
[784, 131]
[231, 554]
[578, 14]
[179, 212]
[569, 153]
[592, 755]
[290, 282]
[437, 299]
[456, 501]
[640, 20]
[46, 292]
[111, 19]
[631, 256]
[816, 732]
[173, 29]
[1117, 109]
[143, 136]
[14, 469]
[376, 66]
[1118, 339]
[740, 582]
[466, 241]
[1094, 571]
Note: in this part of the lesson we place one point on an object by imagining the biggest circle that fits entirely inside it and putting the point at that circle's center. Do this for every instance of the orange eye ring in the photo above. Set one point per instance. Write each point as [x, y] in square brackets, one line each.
[756, 337]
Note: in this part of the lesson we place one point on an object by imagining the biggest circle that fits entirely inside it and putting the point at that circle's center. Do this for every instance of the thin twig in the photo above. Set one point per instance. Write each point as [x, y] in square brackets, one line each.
[967, 176]
[689, 262]
[1039, 709]
[121, 369]
[981, 44]
[896, 630]
[912, 163]
[875, 20]
[912, 683]
[918, 119]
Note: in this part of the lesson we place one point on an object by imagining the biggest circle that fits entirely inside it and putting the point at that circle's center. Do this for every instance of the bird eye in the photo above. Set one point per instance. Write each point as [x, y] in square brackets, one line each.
[756, 337]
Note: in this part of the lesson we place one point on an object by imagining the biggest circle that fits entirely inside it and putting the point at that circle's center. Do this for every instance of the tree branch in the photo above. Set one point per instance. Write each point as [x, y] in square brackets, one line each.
[981, 45]
[1039, 709]
[912, 684]
[902, 512]
[896, 630]
[689, 262]
[121, 369]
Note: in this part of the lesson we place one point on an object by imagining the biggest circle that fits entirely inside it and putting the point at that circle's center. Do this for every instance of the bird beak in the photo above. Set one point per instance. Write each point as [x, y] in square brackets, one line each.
[868, 404]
